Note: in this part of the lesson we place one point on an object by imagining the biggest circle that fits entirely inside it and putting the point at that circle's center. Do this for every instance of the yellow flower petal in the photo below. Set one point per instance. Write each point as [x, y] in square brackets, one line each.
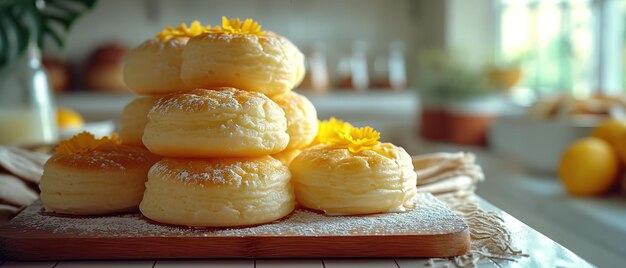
[84, 142]
[329, 131]
[183, 31]
[235, 26]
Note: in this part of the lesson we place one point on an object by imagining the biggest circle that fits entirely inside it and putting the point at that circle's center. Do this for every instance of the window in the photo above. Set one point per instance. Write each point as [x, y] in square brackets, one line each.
[569, 46]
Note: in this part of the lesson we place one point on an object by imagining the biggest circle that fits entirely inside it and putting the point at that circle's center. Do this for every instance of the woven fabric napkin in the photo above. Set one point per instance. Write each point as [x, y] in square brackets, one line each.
[440, 173]
[452, 177]
[20, 172]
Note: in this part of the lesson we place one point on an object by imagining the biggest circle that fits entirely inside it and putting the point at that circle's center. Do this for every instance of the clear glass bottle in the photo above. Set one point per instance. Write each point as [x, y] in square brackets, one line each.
[27, 111]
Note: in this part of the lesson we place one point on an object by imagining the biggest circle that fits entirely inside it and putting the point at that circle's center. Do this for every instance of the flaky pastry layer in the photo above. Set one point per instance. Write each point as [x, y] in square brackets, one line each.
[153, 68]
[224, 122]
[269, 64]
[107, 180]
[218, 192]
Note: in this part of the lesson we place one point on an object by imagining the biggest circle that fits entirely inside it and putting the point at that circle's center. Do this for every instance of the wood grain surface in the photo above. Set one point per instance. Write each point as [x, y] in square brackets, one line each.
[431, 230]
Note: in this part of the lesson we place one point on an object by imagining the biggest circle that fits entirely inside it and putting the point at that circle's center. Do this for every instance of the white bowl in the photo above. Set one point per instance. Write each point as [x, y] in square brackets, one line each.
[537, 144]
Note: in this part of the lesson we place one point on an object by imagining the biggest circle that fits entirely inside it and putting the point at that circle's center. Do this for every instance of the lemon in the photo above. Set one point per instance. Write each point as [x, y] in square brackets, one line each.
[68, 118]
[589, 166]
[610, 130]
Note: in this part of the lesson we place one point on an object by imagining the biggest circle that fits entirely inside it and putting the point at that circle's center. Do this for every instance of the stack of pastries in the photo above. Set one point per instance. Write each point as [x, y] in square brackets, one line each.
[222, 140]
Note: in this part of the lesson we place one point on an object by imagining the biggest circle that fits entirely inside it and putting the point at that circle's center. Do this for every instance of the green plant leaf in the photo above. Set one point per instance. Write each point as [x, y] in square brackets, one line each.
[56, 37]
[21, 31]
[25, 21]
[4, 44]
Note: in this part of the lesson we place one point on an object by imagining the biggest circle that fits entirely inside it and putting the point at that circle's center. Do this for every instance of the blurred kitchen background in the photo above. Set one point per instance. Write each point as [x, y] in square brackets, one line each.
[514, 81]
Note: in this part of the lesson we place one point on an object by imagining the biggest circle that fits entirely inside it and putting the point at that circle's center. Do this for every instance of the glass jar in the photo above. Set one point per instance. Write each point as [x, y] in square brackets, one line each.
[27, 113]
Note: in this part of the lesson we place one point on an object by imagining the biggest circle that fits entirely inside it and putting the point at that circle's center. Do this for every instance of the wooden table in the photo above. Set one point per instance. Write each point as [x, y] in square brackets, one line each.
[543, 253]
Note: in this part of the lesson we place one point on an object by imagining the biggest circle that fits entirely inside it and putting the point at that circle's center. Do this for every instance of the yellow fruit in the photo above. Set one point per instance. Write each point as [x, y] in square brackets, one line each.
[68, 118]
[610, 130]
[589, 166]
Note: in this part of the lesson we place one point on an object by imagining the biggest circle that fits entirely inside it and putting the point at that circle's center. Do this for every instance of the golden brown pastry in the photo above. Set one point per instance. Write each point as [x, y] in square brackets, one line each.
[134, 119]
[351, 173]
[153, 68]
[224, 122]
[240, 55]
[301, 119]
[89, 176]
[218, 192]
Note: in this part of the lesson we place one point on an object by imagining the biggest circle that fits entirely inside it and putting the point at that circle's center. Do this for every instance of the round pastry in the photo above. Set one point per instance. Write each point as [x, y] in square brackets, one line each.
[218, 192]
[89, 176]
[134, 119]
[287, 156]
[351, 173]
[240, 55]
[339, 182]
[301, 119]
[154, 66]
[224, 122]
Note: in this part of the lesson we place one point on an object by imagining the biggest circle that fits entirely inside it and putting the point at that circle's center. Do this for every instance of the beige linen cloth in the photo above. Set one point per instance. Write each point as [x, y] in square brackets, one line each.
[20, 171]
[452, 177]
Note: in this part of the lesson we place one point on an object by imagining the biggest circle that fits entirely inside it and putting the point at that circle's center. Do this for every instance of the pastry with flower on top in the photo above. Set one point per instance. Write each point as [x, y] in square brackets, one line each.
[239, 54]
[350, 172]
[90, 176]
[153, 68]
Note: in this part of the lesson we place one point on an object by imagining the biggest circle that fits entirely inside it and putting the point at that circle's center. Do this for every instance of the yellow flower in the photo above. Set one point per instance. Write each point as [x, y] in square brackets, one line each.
[182, 31]
[359, 139]
[341, 134]
[235, 26]
[231, 26]
[328, 131]
[84, 142]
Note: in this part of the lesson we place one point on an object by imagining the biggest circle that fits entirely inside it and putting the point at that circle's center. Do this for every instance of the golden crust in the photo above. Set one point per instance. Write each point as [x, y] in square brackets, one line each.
[301, 119]
[339, 182]
[218, 192]
[134, 119]
[269, 64]
[106, 157]
[153, 68]
[224, 122]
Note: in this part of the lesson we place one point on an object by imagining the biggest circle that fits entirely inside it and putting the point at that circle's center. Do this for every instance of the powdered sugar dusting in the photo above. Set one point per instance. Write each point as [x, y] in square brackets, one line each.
[234, 172]
[429, 217]
[223, 99]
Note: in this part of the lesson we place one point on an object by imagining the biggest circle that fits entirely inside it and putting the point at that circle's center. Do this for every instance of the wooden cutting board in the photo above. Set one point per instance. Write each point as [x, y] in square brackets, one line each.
[431, 230]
